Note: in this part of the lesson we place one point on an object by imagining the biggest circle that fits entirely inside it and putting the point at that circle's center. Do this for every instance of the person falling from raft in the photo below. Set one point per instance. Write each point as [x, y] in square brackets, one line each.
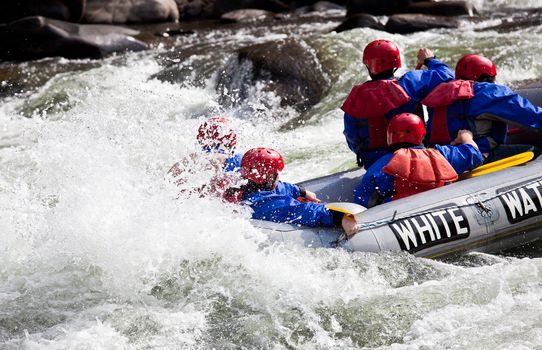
[369, 106]
[474, 102]
[274, 200]
[412, 168]
[218, 142]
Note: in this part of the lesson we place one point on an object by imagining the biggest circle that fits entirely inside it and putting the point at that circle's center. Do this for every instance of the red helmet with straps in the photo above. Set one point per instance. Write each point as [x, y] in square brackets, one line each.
[261, 165]
[381, 55]
[215, 134]
[406, 128]
[472, 67]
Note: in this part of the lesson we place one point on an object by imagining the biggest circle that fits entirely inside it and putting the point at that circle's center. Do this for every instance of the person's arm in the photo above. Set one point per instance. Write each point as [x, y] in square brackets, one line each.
[419, 83]
[464, 154]
[351, 133]
[500, 102]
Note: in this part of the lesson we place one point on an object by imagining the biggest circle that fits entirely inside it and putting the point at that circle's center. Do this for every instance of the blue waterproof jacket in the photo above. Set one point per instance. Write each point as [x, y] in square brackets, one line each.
[417, 84]
[377, 186]
[487, 113]
[281, 205]
[233, 163]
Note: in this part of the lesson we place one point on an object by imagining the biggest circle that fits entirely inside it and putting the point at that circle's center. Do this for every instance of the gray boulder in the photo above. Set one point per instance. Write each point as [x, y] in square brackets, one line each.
[192, 9]
[37, 37]
[224, 6]
[411, 23]
[288, 67]
[442, 8]
[130, 11]
[66, 10]
[376, 7]
[360, 20]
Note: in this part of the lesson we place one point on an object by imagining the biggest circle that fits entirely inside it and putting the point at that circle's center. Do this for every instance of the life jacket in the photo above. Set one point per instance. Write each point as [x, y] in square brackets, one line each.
[233, 195]
[371, 101]
[440, 98]
[417, 170]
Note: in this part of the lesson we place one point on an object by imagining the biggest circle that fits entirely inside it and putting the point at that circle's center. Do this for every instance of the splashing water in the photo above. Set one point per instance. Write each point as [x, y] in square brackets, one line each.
[98, 252]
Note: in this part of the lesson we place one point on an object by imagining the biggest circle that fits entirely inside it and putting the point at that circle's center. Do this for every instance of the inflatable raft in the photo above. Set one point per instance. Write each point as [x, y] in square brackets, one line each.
[489, 213]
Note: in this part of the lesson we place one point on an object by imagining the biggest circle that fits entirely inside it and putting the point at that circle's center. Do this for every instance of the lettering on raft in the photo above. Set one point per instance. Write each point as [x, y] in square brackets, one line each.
[523, 202]
[426, 230]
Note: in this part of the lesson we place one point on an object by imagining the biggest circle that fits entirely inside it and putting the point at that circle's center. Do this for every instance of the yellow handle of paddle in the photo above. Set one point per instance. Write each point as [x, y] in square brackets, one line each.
[509, 162]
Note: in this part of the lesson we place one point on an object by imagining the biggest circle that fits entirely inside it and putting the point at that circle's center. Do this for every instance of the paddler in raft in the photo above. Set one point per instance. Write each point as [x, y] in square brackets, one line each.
[218, 142]
[370, 106]
[474, 102]
[274, 200]
[411, 168]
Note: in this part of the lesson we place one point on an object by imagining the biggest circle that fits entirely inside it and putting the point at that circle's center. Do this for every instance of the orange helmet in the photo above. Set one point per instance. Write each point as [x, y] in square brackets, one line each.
[472, 67]
[261, 165]
[406, 128]
[381, 55]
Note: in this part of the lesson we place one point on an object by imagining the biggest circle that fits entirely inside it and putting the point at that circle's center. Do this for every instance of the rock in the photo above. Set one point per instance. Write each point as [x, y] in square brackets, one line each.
[130, 11]
[442, 8]
[224, 6]
[410, 23]
[66, 10]
[192, 9]
[360, 20]
[376, 7]
[37, 37]
[289, 68]
[246, 15]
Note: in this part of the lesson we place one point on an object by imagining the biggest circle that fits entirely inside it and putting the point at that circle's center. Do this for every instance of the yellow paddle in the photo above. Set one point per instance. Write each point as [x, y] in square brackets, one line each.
[499, 165]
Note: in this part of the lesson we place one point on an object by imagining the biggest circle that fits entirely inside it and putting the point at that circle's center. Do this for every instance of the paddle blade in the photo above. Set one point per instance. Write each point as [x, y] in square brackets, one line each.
[346, 207]
[509, 162]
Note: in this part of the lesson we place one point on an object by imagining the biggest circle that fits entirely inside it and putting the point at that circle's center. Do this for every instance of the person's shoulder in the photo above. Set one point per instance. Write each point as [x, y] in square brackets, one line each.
[491, 88]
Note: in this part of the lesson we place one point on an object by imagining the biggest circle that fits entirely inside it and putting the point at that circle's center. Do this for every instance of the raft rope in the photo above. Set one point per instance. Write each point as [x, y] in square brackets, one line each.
[480, 203]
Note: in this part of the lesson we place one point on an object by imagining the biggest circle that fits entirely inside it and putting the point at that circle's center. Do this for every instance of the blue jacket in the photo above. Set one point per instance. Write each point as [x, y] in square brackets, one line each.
[417, 84]
[281, 205]
[376, 185]
[493, 101]
[233, 163]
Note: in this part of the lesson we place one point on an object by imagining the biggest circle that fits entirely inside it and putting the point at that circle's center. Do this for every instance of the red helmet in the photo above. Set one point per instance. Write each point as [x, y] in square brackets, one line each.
[381, 55]
[261, 165]
[472, 67]
[406, 128]
[214, 134]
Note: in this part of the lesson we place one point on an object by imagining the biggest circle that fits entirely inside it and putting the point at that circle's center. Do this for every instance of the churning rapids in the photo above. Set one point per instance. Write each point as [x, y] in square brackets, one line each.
[97, 251]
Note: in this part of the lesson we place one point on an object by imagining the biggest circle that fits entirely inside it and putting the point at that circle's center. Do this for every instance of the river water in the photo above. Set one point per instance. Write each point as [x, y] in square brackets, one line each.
[97, 251]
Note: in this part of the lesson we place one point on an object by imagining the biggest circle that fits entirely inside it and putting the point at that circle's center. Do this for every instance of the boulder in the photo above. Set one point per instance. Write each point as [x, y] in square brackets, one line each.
[246, 15]
[196, 9]
[410, 23]
[360, 20]
[66, 10]
[442, 8]
[376, 7]
[224, 6]
[37, 37]
[130, 11]
[289, 68]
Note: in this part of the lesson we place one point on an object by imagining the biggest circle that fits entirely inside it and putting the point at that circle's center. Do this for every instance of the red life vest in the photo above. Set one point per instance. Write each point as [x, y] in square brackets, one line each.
[371, 101]
[418, 170]
[440, 98]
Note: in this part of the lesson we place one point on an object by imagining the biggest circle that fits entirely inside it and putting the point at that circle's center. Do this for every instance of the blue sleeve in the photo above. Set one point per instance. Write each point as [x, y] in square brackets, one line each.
[233, 163]
[419, 83]
[504, 104]
[462, 157]
[285, 209]
[287, 189]
[375, 182]
[352, 133]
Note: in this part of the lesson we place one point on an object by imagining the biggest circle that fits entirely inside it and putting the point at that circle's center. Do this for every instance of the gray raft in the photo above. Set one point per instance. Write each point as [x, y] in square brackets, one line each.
[489, 213]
